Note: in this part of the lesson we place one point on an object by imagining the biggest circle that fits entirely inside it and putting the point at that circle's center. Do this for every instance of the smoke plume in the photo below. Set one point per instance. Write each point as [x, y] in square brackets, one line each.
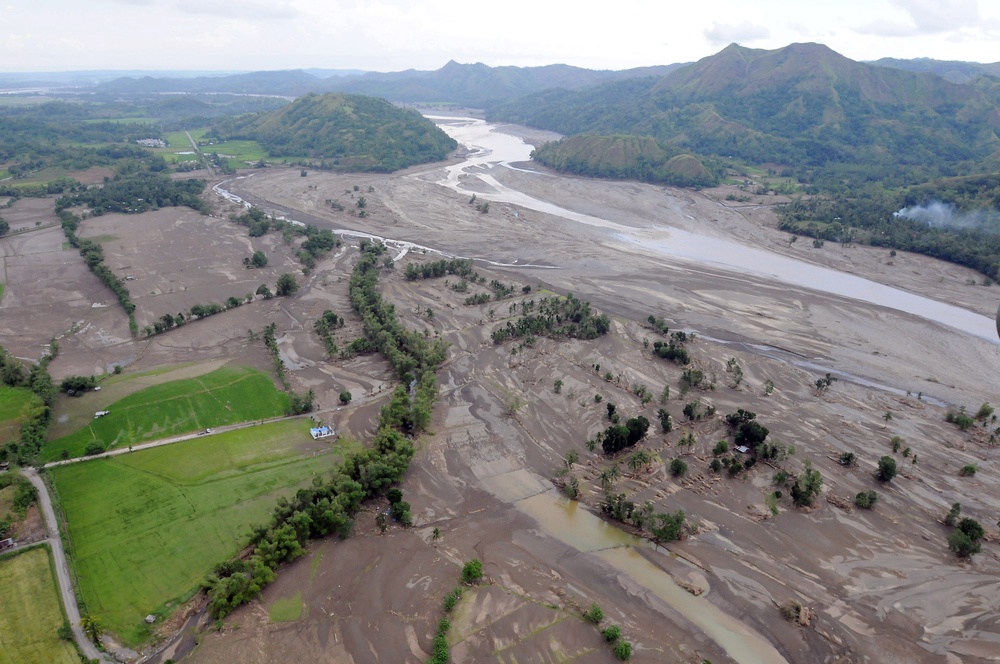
[945, 215]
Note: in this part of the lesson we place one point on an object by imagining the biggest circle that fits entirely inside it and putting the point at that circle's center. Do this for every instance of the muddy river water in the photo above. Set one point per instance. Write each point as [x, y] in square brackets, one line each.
[489, 147]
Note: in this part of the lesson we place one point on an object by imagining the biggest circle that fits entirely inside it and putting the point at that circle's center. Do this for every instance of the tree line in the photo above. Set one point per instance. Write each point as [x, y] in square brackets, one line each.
[555, 317]
[330, 505]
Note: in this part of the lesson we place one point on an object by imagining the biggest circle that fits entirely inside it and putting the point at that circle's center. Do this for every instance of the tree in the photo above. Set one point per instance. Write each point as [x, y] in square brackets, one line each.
[259, 259]
[611, 633]
[668, 527]
[886, 469]
[639, 459]
[666, 422]
[265, 291]
[623, 650]
[678, 468]
[4, 227]
[345, 397]
[92, 627]
[286, 285]
[962, 545]
[472, 572]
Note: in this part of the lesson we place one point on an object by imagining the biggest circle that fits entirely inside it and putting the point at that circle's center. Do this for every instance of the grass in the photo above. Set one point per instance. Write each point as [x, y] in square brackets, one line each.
[32, 611]
[225, 396]
[145, 528]
[14, 401]
[1, 285]
[286, 609]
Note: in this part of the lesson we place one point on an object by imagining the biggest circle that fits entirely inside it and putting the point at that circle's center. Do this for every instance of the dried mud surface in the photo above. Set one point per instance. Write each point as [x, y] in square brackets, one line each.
[882, 585]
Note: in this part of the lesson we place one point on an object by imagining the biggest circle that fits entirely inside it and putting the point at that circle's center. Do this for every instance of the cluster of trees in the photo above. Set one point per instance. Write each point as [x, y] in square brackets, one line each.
[324, 326]
[330, 505]
[38, 414]
[409, 353]
[93, 256]
[555, 317]
[77, 385]
[618, 437]
[317, 244]
[674, 349]
[137, 193]
[867, 216]
[257, 260]
[431, 269]
[663, 527]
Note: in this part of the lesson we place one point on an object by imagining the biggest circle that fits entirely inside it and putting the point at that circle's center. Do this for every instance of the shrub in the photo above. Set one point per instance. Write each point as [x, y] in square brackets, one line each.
[720, 448]
[594, 614]
[345, 397]
[678, 468]
[968, 470]
[866, 499]
[623, 650]
[93, 447]
[886, 469]
[612, 633]
[715, 466]
[472, 572]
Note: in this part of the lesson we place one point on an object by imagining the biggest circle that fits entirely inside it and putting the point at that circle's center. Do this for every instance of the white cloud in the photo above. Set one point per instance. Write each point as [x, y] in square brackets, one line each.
[926, 17]
[726, 33]
[244, 9]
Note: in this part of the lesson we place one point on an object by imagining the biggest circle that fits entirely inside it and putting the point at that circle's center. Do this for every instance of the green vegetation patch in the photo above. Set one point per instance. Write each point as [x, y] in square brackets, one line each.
[286, 609]
[145, 528]
[32, 611]
[226, 396]
[13, 400]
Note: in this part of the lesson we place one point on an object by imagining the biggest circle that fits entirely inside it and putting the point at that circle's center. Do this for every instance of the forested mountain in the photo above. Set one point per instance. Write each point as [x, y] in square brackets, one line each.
[466, 84]
[341, 131]
[478, 85]
[955, 71]
[821, 116]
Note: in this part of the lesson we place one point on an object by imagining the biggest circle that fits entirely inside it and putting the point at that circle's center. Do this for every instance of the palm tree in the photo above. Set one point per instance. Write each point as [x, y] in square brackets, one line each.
[639, 459]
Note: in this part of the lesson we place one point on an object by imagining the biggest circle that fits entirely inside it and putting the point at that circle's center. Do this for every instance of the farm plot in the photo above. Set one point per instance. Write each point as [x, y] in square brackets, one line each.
[225, 396]
[145, 528]
[28, 624]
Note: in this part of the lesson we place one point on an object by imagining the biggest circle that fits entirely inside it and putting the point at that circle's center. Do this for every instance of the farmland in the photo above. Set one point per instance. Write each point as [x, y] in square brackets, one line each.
[13, 401]
[225, 396]
[29, 633]
[145, 528]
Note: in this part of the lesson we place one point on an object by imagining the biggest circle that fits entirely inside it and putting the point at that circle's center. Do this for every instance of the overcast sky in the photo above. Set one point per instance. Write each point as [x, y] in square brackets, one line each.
[390, 35]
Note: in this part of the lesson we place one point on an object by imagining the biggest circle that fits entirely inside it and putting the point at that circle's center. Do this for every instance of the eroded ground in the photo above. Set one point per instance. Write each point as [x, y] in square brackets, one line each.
[882, 583]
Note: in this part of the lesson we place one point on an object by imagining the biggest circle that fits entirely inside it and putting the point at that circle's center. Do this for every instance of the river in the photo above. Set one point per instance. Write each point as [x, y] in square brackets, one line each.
[489, 146]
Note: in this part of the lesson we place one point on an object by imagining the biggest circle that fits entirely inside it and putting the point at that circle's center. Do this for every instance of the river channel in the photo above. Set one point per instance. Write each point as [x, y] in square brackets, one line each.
[489, 146]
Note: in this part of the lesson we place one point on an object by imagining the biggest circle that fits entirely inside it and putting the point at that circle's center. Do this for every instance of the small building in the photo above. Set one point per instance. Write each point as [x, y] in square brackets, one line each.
[6, 543]
[322, 431]
[742, 449]
[101, 413]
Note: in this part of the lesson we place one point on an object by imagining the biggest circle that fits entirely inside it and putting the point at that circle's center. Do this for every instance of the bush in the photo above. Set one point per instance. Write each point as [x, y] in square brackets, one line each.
[968, 470]
[93, 447]
[472, 572]
[962, 545]
[623, 650]
[612, 633]
[715, 466]
[886, 469]
[720, 448]
[345, 397]
[866, 499]
[678, 468]
[594, 614]
[451, 599]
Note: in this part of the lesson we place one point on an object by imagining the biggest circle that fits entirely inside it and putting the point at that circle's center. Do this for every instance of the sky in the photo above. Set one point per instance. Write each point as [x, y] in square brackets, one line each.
[392, 35]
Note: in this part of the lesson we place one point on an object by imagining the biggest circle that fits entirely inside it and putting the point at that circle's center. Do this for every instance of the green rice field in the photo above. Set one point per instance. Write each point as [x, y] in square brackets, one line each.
[225, 396]
[144, 529]
[31, 611]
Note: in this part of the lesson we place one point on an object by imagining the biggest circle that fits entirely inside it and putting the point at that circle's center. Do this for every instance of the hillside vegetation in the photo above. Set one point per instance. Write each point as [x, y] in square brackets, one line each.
[823, 117]
[632, 157]
[344, 132]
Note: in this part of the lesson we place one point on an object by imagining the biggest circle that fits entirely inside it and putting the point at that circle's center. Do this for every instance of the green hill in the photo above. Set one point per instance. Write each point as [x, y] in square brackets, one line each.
[625, 156]
[824, 117]
[348, 132]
